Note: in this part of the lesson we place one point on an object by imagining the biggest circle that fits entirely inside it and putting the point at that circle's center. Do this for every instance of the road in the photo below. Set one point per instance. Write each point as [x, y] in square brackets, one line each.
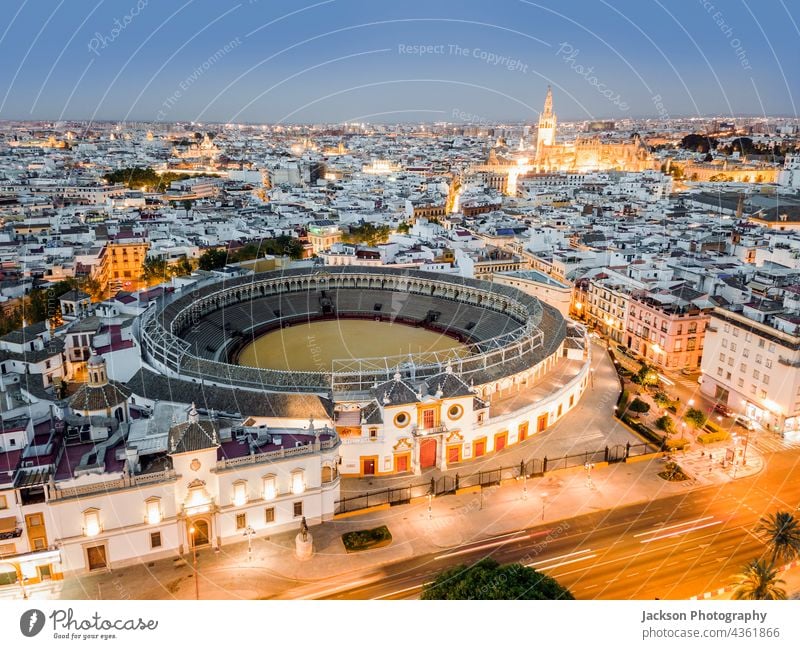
[672, 548]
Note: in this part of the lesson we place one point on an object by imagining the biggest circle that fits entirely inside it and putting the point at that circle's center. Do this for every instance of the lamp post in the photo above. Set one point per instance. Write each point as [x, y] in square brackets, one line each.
[544, 495]
[524, 475]
[249, 532]
[194, 562]
[591, 377]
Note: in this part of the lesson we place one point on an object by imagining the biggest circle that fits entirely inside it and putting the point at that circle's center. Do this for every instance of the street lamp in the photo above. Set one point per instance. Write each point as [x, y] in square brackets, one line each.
[524, 475]
[544, 495]
[194, 561]
[591, 375]
[249, 532]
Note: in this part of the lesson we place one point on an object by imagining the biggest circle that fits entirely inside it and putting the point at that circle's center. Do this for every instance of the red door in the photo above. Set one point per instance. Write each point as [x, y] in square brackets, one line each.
[500, 442]
[427, 453]
[369, 467]
[480, 448]
[541, 423]
[453, 454]
[401, 464]
[427, 418]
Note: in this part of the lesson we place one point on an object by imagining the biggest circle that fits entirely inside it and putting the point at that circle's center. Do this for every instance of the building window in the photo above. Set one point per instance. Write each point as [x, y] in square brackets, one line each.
[771, 348]
[153, 510]
[373, 433]
[270, 487]
[722, 358]
[765, 379]
[298, 508]
[724, 343]
[740, 382]
[401, 419]
[719, 371]
[745, 353]
[758, 359]
[762, 394]
[761, 343]
[733, 347]
[690, 344]
[91, 522]
[155, 540]
[768, 363]
[298, 481]
[743, 367]
[3, 502]
[241, 521]
[239, 493]
[748, 337]
[269, 515]
[755, 374]
[455, 411]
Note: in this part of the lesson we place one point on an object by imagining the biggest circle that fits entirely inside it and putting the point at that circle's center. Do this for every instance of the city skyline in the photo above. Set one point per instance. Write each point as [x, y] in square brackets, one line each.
[347, 61]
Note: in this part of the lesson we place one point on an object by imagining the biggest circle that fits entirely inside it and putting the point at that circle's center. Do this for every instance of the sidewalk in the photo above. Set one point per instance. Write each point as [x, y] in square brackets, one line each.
[274, 571]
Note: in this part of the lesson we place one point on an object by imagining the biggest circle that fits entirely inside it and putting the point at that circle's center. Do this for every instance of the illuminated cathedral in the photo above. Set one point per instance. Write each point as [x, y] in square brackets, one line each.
[587, 153]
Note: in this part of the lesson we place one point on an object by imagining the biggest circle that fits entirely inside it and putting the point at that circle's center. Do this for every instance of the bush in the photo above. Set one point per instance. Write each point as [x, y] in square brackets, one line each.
[645, 431]
[696, 418]
[673, 473]
[662, 399]
[666, 423]
[637, 405]
[623, 401]
[710, 438]
[366, 539]
[677, 444]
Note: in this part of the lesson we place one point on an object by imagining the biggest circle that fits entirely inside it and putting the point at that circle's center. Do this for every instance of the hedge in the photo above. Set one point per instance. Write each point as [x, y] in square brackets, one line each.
[710, 438]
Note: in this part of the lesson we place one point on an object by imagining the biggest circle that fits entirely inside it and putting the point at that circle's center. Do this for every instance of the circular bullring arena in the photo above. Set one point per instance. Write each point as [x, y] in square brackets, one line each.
[342, 330]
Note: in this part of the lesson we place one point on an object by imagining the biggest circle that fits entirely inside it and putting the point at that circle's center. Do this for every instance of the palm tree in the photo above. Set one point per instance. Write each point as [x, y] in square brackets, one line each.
[781, 531]
[759, 580]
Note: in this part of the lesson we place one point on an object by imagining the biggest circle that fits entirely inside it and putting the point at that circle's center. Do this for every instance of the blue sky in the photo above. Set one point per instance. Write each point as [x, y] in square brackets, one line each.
[358, 60]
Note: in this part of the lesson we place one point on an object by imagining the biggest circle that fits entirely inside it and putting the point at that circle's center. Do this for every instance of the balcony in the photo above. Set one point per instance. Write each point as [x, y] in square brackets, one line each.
[433, 430]
[788, 361]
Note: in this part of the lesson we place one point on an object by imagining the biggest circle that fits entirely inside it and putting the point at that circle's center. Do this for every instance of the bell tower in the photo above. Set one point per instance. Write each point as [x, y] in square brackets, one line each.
[546, 134]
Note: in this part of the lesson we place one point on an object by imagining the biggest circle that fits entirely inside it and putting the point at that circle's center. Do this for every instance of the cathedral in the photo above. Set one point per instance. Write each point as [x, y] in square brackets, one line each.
[585, 154]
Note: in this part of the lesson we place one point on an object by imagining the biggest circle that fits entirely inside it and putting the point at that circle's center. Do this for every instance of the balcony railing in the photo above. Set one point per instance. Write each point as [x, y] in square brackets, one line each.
[433, 430]
[112, 485]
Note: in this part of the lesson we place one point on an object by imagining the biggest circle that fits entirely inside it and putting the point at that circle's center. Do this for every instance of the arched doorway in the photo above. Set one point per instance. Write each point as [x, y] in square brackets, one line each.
[201, 534]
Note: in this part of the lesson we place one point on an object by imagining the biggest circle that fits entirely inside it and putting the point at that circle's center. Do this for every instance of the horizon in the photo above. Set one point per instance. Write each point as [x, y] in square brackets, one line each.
[345, 61]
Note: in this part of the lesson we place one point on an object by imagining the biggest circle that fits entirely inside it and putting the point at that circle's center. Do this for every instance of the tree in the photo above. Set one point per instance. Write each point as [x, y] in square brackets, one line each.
[781, 531]
[487, 579]
[667, 424]
[367, 233]
[213, 259]
[696, 418]
[699, 143]
[183, 267]
[155, 271]
[637, 405]
[187, 205]
[759, 580]
[662, 399]
[647, 375]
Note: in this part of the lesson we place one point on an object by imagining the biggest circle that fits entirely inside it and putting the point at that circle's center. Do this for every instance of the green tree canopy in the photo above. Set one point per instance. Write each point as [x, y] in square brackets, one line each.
[759, 580]
[781, 531]
[487, 579]
[695, 418]
[367, 233]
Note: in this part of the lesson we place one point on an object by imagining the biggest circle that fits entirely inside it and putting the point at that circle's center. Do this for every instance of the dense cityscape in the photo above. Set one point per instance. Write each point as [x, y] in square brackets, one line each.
[461, 357]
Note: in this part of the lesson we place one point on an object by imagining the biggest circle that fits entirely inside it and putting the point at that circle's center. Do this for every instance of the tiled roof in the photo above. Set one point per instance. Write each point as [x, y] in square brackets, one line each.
[193, 436]
[93, 398]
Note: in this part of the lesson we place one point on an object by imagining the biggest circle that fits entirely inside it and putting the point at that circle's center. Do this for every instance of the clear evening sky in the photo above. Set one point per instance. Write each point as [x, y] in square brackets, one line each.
[377, 60]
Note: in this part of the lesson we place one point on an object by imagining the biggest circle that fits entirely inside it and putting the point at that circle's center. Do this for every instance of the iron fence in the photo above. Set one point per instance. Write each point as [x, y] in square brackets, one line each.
[449, 484]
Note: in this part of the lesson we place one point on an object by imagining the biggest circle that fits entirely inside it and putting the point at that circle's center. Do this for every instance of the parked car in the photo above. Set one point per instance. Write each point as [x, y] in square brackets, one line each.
[744, 422]
[687, 372]
[722, 409]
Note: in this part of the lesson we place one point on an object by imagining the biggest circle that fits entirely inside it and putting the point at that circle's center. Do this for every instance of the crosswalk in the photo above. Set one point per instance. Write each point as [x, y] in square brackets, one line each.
[768, 442]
